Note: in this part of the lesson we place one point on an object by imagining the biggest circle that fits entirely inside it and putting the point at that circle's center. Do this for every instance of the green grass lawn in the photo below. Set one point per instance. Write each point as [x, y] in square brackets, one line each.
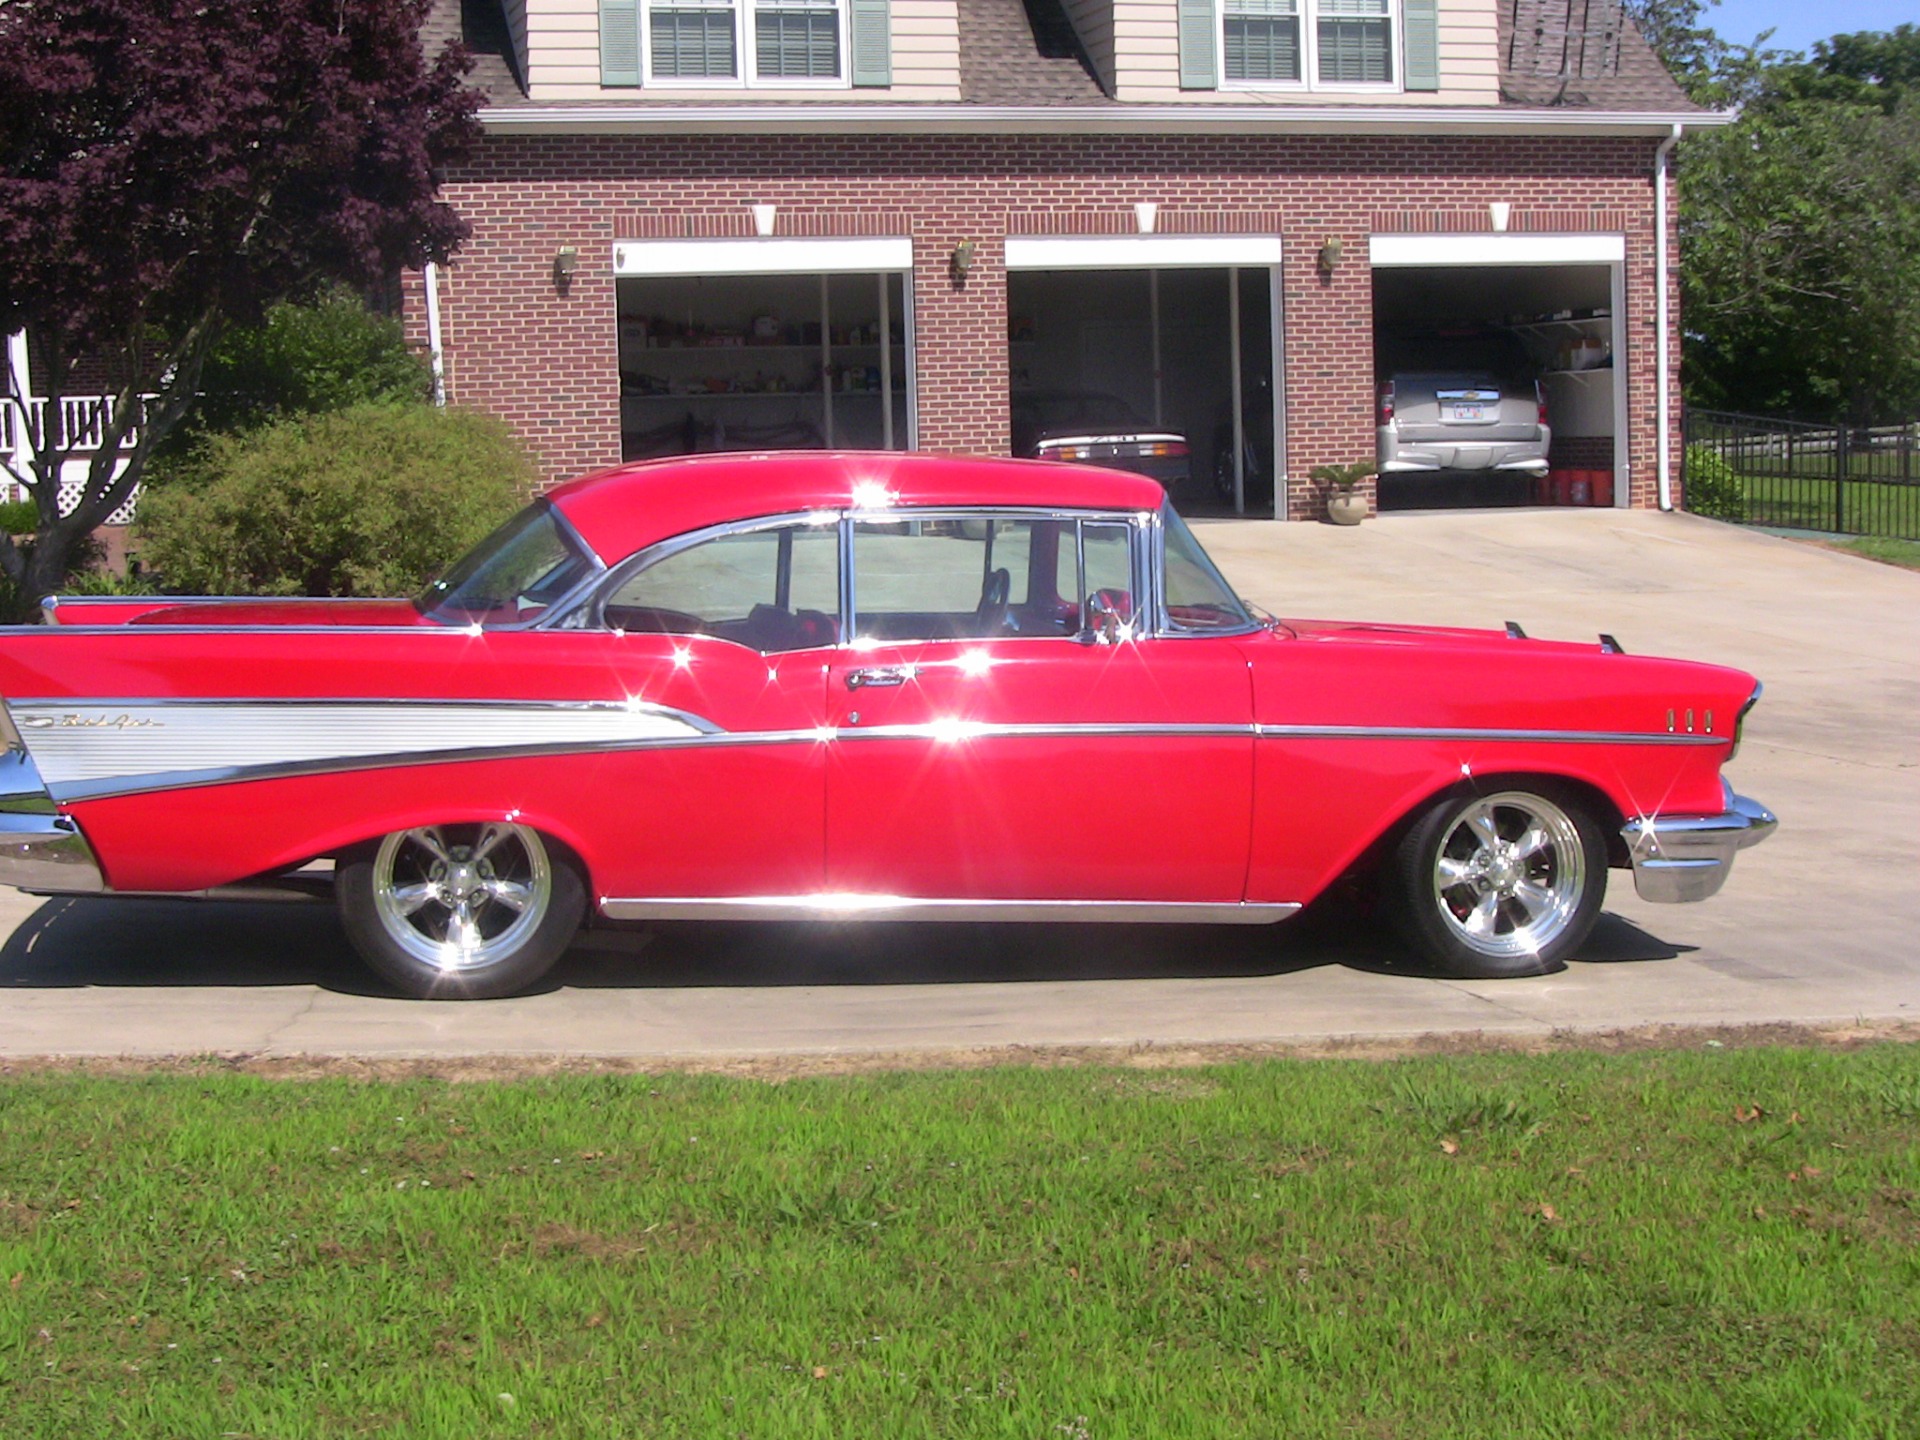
[1712, 1242]
[1795, 503]
[1884, 548]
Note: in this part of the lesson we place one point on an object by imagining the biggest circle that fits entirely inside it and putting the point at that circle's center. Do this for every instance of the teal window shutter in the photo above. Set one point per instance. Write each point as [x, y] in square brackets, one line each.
[871, 24]
[619, 42]
[1422, 19]
[1197, 70]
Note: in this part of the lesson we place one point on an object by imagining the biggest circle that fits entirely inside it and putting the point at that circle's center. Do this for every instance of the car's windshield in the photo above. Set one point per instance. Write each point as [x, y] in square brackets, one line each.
[513, 575]
[1198, 598]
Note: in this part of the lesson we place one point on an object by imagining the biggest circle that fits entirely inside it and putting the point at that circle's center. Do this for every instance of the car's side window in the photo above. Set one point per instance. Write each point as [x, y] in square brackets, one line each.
[964, 578]
[771, 590]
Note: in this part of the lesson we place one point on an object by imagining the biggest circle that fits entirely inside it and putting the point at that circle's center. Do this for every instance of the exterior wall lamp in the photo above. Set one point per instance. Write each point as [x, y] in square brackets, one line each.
[960, 262]
[1329, 254]
[566, 260]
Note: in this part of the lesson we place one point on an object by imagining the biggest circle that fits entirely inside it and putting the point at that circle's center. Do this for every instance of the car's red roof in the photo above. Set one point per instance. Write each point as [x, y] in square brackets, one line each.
[619, 511]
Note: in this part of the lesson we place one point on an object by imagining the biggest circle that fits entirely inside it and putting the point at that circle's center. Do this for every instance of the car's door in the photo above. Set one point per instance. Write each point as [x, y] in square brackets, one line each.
[988, 747]
[730, 632]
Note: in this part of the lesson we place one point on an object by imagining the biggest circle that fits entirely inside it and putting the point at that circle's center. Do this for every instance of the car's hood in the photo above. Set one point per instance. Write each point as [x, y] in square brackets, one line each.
[1369, 632]
[289, 612]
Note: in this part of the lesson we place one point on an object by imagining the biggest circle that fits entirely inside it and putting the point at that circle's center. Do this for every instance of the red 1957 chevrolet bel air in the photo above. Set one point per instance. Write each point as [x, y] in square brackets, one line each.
[844, 685]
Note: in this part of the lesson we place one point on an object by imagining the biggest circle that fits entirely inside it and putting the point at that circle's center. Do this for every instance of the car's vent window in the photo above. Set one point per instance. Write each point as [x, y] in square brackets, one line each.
[770, 590]
[1197, 597]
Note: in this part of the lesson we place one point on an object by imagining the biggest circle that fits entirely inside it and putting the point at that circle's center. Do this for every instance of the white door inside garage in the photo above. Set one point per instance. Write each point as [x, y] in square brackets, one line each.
[764, 344]
[1529, 309]
[1170, 337]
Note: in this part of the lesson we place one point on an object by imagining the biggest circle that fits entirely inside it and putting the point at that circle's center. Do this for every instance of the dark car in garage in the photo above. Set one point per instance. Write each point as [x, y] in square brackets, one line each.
[1093, 428]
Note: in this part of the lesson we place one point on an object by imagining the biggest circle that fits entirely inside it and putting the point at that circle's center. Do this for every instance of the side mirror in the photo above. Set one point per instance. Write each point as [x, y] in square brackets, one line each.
[1105, 624]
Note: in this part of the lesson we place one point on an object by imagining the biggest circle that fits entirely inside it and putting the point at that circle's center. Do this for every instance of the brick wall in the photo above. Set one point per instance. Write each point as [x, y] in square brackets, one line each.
[545, 356]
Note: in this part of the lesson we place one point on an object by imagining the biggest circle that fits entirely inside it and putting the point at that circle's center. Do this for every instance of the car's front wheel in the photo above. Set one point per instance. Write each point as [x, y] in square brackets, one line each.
[1490, 886]
[460, 912]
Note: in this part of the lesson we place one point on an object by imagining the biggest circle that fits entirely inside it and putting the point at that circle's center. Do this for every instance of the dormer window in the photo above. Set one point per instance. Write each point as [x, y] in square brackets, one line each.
[700, 40]
[1346, 43]
[726, 44]
[1330, 45]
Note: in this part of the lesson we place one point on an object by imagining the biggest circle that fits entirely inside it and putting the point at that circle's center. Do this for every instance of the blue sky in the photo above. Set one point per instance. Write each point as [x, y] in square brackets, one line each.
[1798, 23]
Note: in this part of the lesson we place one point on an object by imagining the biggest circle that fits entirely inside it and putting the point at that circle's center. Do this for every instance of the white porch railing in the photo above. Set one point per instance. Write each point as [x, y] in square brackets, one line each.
[83, 420]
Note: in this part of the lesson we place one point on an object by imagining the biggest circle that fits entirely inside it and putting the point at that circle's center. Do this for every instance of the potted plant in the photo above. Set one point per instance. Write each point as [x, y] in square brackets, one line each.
[1345, 505]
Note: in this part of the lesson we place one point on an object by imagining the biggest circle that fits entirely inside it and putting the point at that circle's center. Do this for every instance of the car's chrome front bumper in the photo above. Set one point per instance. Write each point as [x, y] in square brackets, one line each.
[1678, 858]
[40, 849]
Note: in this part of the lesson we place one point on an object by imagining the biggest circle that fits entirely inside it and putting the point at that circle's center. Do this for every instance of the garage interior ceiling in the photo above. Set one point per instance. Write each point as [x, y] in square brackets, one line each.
[1487, 294]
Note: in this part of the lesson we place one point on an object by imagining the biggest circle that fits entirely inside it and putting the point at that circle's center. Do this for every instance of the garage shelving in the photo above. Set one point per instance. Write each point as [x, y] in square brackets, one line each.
[776, 360]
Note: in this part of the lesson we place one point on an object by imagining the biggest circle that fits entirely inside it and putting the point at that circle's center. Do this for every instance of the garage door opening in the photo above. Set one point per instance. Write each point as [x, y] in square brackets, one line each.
[764, 362]
[1496, 383]
[1132, 365]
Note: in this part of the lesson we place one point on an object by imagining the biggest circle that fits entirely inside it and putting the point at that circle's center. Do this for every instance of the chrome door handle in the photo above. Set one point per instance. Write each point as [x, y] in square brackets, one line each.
[879, 675]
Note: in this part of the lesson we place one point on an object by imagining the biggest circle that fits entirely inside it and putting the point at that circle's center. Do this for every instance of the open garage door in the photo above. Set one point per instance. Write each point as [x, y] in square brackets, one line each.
[1153, 353]
[764, 345]
[1495, 369]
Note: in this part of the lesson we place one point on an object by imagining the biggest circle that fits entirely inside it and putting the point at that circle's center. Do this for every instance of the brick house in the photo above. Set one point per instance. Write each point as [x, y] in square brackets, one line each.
[708, 224]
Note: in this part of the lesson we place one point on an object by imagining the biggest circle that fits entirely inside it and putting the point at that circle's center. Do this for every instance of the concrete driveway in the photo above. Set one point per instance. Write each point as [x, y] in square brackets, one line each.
[1821, 924]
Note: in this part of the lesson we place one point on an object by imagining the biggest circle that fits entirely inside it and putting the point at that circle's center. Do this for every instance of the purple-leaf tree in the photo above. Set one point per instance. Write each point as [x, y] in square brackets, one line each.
[171, 167]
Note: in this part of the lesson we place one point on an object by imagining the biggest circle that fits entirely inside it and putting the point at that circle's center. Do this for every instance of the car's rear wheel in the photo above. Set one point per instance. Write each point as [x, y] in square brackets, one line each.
[1489, 886]
[464, 912]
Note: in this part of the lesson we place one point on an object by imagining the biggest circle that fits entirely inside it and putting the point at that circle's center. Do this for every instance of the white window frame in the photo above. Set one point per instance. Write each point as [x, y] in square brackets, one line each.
[746, 53]
[1309, 14]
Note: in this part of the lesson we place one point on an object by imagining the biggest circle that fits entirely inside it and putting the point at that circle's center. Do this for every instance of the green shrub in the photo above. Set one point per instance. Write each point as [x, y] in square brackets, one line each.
[371, 500]
[1711, 487]
[330, 354]
[19, 517]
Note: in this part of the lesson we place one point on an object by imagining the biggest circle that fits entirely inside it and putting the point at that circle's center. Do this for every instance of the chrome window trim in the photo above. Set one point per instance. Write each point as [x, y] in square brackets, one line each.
[20, 632]
[1073, 517]
[590, 609]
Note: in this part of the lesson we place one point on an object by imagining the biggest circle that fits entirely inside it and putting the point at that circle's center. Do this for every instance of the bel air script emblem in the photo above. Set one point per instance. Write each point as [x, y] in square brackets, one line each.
[122, 721]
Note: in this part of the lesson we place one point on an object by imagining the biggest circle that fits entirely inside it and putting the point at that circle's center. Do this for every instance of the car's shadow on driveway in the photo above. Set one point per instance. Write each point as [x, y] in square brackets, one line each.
[69, 943]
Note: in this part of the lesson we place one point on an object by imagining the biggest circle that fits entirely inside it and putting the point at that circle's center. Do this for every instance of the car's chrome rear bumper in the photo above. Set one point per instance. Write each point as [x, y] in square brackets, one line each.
[40, 849]
[1678, 858]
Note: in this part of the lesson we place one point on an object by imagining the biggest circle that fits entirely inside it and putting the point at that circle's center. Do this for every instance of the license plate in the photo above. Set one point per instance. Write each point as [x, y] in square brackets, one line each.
[1466, 412]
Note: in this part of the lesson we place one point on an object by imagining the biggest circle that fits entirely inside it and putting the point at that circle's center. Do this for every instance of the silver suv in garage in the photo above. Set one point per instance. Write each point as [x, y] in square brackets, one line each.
[1460, 401]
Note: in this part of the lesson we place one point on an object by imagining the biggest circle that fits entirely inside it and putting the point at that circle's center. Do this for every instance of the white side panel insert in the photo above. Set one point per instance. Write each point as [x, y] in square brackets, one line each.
[89, 748]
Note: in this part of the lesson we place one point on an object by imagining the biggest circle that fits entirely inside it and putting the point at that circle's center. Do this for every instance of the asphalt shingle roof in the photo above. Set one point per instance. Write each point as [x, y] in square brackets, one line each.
[1554, 54]
[1581, 54]
[1023, 52]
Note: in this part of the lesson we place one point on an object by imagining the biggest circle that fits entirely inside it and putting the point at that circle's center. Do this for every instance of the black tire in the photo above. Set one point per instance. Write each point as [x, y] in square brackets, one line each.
[1223, 469]
[1508, 883]
[460, 912]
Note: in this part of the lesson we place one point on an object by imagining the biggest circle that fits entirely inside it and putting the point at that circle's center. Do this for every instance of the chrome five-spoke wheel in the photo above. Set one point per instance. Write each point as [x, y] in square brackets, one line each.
[460, 910]
[460, 896]
[1500, 884]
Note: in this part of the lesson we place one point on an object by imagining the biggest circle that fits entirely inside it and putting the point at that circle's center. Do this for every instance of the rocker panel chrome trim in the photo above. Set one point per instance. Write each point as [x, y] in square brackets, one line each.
[907, 907]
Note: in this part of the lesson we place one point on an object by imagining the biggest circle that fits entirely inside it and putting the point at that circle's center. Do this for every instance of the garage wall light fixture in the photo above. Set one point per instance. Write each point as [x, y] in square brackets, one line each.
[1329, 254]
[566, 260]
[960, 262]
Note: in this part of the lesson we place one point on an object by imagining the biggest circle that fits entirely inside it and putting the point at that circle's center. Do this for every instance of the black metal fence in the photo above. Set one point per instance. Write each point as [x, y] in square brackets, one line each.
[1839, 479]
